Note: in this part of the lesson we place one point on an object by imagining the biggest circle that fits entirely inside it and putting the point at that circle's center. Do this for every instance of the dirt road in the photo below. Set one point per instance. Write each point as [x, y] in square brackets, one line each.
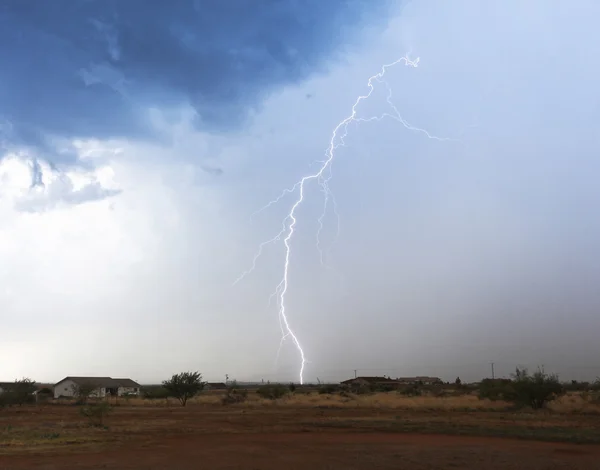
[321, 450]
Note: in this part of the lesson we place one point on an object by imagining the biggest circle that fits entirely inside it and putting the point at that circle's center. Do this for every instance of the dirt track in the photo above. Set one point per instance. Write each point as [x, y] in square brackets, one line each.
[322, 451]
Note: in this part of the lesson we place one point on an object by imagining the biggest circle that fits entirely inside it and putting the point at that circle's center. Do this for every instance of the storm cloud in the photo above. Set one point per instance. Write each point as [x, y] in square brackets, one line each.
[102, 64]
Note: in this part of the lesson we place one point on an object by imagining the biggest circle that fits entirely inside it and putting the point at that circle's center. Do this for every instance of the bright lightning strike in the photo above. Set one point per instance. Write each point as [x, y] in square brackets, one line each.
[323, 175]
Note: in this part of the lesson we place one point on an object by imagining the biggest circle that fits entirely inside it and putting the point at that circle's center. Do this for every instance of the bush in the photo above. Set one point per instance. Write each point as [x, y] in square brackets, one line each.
[272, 391]
[524, 389]
[96, 412]
[536, 390]
[292, 387]
[234, 394]
[329, 389]
[411, 391]
[184, 386]
[18, 393]
[497, 389]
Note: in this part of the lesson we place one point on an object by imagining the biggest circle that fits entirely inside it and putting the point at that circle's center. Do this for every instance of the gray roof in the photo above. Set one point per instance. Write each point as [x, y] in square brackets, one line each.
[127, 383]
[103, 382]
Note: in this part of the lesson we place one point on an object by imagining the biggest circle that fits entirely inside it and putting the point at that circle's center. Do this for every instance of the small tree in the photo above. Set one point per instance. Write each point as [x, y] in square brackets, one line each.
[19, 393]
[458, 382]
[96, 412]
[83, 391]
[184, 386]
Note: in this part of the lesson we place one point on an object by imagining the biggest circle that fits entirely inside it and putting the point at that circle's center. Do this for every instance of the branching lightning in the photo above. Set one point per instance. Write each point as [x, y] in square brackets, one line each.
[323, 175]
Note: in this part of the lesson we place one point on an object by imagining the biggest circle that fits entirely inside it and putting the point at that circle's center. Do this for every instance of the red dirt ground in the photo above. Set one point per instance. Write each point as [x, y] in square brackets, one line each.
[317, 451]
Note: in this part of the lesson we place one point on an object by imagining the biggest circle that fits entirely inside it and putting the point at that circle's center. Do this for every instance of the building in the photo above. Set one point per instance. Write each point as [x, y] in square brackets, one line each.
[419, 380]
[128, 387]
[98, 387]
[4, 386]
[371, 381]
[389, 382]
[215, 386]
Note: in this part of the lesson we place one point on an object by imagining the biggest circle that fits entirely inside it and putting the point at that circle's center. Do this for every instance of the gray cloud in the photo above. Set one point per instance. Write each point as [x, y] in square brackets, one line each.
[89, 69]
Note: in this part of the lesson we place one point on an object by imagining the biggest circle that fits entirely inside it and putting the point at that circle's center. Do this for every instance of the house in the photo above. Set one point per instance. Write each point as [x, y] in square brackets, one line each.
[100, 387]
[215, 386]
[419, 380]
[128, 387]
[387, 381]
[5, 386]
[363, 381]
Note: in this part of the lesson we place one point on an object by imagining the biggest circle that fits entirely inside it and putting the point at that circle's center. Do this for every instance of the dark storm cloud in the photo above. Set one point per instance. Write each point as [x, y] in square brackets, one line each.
[86, 68]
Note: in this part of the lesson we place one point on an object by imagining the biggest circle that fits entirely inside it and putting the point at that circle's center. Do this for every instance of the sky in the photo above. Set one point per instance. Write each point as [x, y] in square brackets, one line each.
[137, 145]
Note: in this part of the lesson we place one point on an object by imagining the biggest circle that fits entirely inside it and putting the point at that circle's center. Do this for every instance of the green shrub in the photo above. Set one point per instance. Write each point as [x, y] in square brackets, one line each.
[497, 389]
[20, 392]
[524, 389]
[96, 412]
[272, 391]
[536, 390]
[184, 386]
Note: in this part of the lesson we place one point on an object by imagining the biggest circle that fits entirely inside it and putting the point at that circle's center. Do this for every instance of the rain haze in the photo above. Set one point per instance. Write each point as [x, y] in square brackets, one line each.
[137, 145]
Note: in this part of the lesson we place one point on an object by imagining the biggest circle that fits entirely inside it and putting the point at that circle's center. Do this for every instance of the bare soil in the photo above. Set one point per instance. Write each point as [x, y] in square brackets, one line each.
[283, 436]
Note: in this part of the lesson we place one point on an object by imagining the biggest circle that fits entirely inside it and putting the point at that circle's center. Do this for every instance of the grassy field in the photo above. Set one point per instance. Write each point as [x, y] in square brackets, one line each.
[52, 426]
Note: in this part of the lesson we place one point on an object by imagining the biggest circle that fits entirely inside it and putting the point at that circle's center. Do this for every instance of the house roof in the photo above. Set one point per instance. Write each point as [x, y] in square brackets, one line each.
[105, 382]
[369, 379]
[419, 378]
[127, 383]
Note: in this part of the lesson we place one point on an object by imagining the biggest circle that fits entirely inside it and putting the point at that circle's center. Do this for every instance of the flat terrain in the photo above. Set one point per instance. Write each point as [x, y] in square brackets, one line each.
[382, 431]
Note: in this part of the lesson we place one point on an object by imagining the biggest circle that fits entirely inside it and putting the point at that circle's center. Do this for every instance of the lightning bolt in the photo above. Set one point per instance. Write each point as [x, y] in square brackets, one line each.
[323, 175]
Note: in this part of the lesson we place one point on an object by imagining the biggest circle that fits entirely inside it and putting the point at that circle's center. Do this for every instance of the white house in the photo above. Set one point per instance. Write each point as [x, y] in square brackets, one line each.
[100, 386]
[128, 387]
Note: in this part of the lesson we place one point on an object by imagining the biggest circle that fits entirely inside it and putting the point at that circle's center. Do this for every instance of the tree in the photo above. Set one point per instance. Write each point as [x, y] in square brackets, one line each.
[19, 392]
[83, 391]
[458, 382]
[184, 386]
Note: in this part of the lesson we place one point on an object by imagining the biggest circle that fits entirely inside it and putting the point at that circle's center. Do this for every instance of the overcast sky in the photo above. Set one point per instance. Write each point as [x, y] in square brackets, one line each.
[136, 144]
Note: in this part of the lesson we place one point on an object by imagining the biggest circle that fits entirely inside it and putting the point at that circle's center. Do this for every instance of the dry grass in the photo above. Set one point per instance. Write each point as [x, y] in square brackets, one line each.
[574, 417]
[573, 402]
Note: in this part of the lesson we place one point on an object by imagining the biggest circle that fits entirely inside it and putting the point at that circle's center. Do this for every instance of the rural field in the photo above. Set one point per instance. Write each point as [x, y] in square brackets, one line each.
[303, 430]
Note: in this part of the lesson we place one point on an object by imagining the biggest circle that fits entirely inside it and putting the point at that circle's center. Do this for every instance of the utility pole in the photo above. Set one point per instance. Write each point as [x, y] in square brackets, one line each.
[354, 373]
[493, 376]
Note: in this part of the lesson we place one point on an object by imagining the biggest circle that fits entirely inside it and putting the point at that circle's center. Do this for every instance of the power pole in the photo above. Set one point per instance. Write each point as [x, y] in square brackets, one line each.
[354, 373]
[493, 376]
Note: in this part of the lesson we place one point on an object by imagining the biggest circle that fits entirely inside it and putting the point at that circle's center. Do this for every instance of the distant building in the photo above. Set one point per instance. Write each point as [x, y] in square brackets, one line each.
[4, 386]
[421, 380]
[388, 381]
[361, 381]
[215, 386]
[100, 386]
